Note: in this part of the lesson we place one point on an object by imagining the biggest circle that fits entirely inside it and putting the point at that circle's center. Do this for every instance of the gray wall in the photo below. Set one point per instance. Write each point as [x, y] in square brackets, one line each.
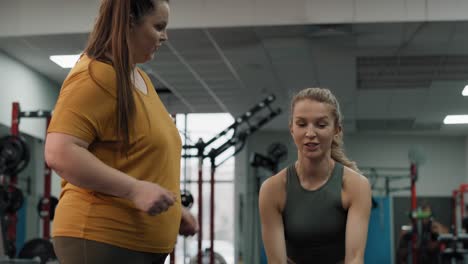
[33, 91]
[442, 172]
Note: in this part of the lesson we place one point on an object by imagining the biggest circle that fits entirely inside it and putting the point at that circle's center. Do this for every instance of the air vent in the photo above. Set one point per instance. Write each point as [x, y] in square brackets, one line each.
[427, 126]
[384, 124]
[409, 72]
[395, 125]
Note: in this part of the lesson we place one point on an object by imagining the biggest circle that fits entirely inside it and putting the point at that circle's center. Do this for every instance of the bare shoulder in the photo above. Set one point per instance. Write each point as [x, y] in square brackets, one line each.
[277, 179]
[273, 189]
[353, 179]
[355, 185]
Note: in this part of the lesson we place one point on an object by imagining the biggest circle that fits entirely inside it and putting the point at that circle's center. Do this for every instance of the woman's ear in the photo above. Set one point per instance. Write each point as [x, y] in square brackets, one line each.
[338, 130]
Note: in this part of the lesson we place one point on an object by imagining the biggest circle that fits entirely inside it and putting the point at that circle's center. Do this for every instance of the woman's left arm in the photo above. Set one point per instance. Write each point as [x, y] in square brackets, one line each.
[360, 202]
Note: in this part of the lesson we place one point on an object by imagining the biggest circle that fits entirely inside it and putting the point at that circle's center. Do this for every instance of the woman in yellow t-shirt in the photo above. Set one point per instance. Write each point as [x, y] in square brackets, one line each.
[116, 147]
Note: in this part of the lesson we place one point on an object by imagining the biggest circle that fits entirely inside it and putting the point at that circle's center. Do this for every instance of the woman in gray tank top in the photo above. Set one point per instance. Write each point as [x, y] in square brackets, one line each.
[317, 209]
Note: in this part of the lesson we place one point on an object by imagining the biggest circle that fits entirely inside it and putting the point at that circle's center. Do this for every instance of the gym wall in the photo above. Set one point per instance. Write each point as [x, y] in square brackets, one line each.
[4, 129]
[442, 172]
[32, 90]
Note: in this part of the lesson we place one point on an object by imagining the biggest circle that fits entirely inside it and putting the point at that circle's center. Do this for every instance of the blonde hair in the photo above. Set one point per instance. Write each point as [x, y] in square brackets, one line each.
[323, 95]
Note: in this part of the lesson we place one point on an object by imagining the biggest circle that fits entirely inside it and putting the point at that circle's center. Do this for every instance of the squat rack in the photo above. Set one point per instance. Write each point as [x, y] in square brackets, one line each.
[16, 117]
[458, 196]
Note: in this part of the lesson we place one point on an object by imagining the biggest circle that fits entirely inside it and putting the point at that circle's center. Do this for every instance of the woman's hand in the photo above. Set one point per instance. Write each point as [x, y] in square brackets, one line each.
[150, 197]
[188, 224]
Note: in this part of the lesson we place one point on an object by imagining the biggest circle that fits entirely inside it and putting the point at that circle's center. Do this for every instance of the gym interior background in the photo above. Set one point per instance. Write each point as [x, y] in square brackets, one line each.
[398, 69]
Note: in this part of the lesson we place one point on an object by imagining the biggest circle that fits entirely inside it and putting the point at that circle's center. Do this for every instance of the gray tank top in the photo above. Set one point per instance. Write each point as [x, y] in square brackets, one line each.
[315, 221]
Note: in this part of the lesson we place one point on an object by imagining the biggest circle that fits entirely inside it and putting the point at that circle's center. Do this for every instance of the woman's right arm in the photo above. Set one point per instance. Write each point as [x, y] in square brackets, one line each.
[70, 158]
[272, 221]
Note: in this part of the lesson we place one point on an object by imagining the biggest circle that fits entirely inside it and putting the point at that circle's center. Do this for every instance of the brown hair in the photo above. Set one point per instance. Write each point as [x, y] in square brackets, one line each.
[111, 35]
[323, 95]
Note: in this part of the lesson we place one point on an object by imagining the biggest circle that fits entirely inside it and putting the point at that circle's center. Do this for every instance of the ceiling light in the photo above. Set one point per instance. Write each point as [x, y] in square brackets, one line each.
[65, 61]
[456, 119]
[465, 91]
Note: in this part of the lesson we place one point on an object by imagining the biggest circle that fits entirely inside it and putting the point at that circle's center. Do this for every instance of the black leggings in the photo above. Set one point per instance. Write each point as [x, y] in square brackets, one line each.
[70, 250]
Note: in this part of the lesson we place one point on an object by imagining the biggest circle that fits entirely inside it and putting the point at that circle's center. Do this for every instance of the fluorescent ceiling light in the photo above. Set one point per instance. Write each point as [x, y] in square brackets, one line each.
[65, 61]
[465, 91]
[456, 119]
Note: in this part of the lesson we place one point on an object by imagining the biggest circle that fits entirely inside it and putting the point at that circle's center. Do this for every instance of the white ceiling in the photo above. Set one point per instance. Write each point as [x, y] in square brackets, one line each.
[389, 77]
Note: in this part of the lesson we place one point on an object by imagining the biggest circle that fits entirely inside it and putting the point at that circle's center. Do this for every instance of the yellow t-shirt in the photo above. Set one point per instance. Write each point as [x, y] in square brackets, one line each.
[86, 108]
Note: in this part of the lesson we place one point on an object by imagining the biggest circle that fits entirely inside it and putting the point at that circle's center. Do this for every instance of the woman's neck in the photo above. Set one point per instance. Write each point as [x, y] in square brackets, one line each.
[108, 56]
[316, 170]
